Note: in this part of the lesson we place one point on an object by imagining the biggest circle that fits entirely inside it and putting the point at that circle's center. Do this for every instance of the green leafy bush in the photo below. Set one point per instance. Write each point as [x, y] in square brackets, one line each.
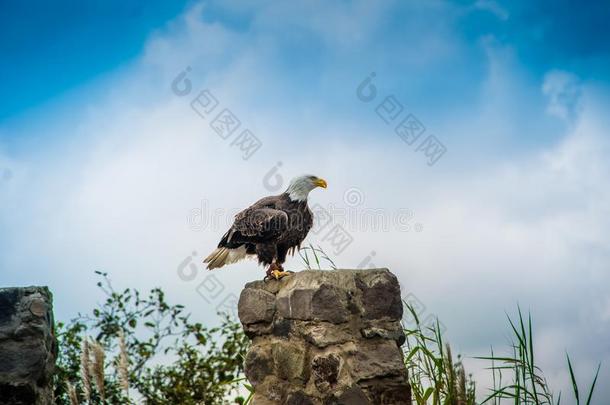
[170, 359]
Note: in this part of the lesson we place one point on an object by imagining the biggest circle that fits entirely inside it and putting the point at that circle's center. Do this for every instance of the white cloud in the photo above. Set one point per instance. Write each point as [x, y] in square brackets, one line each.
[492, 7]
[563, 90]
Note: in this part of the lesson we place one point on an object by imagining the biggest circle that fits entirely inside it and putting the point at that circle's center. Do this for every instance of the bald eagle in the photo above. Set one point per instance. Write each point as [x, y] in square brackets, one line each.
[269, 229]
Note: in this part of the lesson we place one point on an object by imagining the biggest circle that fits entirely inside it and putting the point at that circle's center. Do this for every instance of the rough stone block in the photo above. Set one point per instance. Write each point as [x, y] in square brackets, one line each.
[325, 371]
[324, 334]
[380, 295]
[255, 306]
[387, 391]
[288, 359]
[326, 338]
[376, 358]
[27, 346]
[296, 305]
[258, 364]
[330, 303]
[299, 398]
[351, 396]
[383, 329]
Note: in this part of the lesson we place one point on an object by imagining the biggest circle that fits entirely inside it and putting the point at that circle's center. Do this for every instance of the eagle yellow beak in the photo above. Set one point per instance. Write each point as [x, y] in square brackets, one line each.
[320, 183]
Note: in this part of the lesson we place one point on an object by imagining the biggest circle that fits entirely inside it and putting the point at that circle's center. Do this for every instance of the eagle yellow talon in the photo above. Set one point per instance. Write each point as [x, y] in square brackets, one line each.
[279, 274]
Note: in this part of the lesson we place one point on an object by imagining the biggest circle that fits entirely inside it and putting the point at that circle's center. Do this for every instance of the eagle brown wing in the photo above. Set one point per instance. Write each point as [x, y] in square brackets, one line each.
[260, 223]
[268, 229]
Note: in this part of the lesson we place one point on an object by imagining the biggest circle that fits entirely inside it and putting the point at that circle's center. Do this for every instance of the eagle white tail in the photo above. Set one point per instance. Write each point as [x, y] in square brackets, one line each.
[223, 256]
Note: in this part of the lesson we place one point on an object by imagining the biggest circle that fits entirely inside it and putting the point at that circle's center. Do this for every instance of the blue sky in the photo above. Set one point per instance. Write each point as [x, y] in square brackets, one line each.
[103, 167]
[434, 55]
[51, 48]
[58, 47]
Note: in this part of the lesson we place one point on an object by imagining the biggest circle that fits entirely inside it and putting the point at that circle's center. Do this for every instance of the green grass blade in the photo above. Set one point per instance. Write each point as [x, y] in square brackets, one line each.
[593, 385]
[531, 363]
[573, 378]
[315, 255]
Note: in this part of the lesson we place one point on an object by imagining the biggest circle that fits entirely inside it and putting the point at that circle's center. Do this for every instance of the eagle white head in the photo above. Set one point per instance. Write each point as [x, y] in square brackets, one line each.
[299, 187]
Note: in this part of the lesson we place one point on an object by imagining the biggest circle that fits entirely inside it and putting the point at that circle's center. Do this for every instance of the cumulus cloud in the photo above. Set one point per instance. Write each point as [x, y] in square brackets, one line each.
[563, 90]
[492, 7]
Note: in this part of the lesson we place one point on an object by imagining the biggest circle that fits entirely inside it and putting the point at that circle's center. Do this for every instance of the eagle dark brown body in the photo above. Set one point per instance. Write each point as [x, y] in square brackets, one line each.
[269, 229]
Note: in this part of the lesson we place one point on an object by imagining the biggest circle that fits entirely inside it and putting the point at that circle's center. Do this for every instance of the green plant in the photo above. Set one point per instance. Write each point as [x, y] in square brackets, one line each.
[169, 358]
[248, 387]
[433, 375]
[317, 254]
[528, 384]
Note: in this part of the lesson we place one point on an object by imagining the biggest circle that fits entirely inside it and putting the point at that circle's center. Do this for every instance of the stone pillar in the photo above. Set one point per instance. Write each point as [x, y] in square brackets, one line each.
[326, 337]
[27, 346]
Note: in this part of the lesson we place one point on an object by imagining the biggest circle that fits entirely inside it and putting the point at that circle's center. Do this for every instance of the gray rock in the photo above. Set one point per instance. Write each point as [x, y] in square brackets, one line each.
[376, 358]
[256, 305]
[282, 327]
[259, 399]
[352, 396]
[325, 371]
[272, 391]
[300, 398]
[27, 346]
[324, 303]
[330, 303]
[258, 364]
[326, 337]
[387, 391]
[380, 295]
[323, 334]
[384, 329]
[296, 305]
[288, 359]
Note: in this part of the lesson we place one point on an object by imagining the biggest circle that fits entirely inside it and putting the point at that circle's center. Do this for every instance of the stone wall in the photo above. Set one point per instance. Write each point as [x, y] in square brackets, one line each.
[27, 346]
[326, 337]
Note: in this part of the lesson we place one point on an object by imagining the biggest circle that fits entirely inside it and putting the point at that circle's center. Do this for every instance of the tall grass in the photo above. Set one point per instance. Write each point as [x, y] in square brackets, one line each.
[310, 255]
[517, 379]
[434, 377]
[92, 369]
[527, 384]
